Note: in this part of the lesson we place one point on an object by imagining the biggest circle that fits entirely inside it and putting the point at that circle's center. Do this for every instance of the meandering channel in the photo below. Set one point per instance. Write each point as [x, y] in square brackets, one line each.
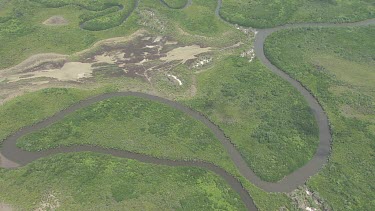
[10, 151]
[188, 3]
[324, 148]
[321, 156]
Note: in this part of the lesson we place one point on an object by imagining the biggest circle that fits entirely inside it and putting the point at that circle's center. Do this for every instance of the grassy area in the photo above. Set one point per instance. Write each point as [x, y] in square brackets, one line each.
[32, 107]
[22, 33]
[337, 65]
[268, 121]
[97, 15]
[269, 13]
[176, 4]
[35, 106]
[88, 181]
[265, 117]
[133, 124]
[198, 19]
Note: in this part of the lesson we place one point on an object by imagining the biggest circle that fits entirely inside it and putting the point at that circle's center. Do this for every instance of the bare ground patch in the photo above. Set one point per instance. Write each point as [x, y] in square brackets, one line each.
[56, 20]
[70, 71]
[111, 41]
[305, 199]
[185, 53]
[140, 55]
[49, 201]
[5, 207]
[32, 62]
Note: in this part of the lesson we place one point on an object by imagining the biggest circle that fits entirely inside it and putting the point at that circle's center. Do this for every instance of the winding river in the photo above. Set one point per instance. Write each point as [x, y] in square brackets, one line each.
[188, 3]
[11, 152]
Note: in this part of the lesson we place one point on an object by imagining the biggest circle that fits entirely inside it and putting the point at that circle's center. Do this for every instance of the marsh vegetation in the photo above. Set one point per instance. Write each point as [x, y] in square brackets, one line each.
[337, 66]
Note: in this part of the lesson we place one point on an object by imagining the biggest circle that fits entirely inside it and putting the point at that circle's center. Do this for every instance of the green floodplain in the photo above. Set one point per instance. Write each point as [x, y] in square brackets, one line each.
[266, 119]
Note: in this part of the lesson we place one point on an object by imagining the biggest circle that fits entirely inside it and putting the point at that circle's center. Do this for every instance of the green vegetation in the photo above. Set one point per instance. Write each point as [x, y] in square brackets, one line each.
[133, 124]
[88, 181]
[268, 121]
[35, 106]
[337, 66]
[32, 107]
[269, 13]
[99, 15]
[175, 4]
[22, 33]
[85, 4]
[199, 18]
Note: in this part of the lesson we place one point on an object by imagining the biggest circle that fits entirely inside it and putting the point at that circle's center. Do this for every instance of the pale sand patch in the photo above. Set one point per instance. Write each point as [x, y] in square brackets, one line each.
[143, 61]
[39, 82]
[158, 39]
[109, 58]
[146, 38]
[175, 78]
[171, 43]
[5, 163]
[71, 71]
[105, 59]
[5, 207]
[49, 202]
[182, 32]
[184, 53]
[38, 59]
[34, 61]
[151, 46]
[56, 20]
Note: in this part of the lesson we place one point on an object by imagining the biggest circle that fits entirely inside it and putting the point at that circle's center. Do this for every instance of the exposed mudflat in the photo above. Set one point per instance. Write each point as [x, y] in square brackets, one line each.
[139, 55]
[185, 53]
[70, 71]
[33, 62]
